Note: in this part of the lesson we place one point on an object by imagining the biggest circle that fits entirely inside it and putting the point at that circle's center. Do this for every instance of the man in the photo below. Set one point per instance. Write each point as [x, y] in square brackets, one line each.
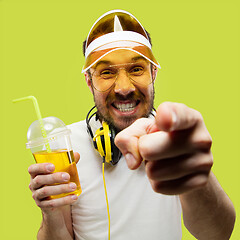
[169, 151]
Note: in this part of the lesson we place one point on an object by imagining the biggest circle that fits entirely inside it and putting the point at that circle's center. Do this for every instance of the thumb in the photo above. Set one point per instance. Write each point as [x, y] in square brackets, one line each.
[127, 141]
[76, 157]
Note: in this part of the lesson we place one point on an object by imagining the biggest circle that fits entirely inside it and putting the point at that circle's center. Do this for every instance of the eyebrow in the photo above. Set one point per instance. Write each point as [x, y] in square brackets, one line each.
[105, 62]
[135, 59]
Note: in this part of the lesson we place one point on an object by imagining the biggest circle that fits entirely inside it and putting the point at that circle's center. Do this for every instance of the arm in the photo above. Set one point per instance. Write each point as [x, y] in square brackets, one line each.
[56, 213]
[176, 147]
[56, 224]
[214, 214]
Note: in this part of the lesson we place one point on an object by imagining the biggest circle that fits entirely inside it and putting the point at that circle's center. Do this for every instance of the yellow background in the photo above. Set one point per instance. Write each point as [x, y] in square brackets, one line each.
[196, 42]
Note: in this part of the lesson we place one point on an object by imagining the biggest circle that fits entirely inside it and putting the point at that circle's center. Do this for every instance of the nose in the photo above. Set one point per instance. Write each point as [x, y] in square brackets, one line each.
[123, 84]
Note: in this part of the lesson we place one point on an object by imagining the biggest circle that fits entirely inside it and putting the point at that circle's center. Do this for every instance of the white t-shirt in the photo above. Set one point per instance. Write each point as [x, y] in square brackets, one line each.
[136, 211]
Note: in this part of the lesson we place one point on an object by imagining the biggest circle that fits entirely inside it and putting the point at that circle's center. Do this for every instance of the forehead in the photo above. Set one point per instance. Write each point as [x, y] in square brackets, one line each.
[120, 57]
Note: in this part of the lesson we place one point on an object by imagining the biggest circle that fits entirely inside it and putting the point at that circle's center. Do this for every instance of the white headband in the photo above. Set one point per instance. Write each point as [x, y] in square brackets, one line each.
[116, 37]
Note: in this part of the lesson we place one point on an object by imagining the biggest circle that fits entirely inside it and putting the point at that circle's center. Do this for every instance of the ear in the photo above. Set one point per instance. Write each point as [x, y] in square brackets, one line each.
[88, 80]
[154, 72]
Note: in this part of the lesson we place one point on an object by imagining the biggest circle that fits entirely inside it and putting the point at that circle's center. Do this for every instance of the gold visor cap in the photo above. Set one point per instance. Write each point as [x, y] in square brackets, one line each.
[116, 29]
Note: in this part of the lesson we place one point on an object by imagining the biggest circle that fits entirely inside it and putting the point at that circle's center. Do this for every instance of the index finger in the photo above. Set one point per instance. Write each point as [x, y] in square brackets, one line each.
[176, 116]
[40, 168]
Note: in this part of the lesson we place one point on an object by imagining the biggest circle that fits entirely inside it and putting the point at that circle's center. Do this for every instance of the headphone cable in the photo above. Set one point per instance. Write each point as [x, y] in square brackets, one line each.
[104, 183]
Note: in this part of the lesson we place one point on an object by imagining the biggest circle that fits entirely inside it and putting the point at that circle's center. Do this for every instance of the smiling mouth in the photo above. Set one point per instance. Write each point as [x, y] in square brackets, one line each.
[126, 107]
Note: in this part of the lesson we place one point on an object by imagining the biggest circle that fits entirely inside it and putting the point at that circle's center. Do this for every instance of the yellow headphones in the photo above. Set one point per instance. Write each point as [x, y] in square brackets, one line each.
[103, 140]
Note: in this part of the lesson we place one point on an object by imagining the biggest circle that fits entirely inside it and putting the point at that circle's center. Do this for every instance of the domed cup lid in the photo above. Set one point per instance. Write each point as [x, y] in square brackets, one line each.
[53, 126]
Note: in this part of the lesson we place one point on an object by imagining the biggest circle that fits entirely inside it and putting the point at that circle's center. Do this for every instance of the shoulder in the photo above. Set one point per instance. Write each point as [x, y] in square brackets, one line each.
[78, 129]
[77, 125]
[80, 138]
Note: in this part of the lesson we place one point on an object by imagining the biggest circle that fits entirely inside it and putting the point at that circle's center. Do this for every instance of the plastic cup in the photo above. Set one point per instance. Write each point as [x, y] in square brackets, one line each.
[55, 147]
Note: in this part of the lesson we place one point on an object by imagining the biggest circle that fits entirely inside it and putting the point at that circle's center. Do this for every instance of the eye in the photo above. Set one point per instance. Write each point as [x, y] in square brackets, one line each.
[137, 70]
[108, 73]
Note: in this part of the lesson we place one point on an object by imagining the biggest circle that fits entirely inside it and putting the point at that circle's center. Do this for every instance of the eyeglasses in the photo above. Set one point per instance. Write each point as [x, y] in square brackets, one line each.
[104, 77]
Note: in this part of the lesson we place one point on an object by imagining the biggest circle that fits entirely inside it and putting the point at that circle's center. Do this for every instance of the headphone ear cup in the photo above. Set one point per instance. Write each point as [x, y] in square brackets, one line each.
[103, 142]
[99, 142]
[116, 154]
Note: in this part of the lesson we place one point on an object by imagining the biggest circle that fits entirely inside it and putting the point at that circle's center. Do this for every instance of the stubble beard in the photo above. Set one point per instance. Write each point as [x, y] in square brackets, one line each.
[104, 114]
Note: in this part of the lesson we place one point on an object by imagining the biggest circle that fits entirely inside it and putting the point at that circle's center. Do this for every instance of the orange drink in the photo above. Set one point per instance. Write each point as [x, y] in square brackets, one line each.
[63, 161]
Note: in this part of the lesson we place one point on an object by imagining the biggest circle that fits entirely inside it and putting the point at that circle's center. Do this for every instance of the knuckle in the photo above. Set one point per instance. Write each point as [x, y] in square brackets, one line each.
[198, 115]
[202, 180]
[60, 188]
[54, 178]
[165, 188]
[31, 169]
[59, 202]
[202, 162]
[34, 196]
[38, 203]
[156, 186]
[66, 188]
[210, 159]
[150, 170]
[37, 180]
[43, 192]
[121, 138]
[124, 142]
[67, 200]
[52, 204]
[202, 141]
[208, 163]
[196, 181]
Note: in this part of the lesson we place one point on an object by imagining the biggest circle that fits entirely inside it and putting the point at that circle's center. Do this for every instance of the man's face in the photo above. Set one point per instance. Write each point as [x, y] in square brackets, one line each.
[126, 100]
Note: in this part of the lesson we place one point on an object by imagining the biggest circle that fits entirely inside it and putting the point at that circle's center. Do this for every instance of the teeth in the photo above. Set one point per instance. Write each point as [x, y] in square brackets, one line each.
[125, 107]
